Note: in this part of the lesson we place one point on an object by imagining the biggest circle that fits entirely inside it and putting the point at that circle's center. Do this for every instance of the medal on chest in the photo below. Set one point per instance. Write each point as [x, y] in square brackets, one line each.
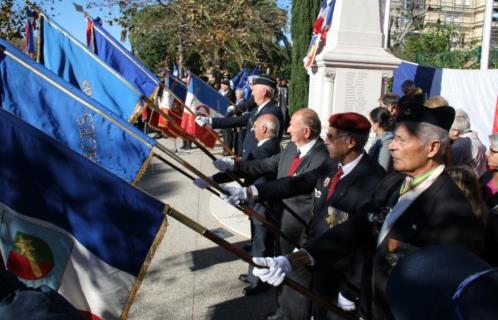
[335, 217]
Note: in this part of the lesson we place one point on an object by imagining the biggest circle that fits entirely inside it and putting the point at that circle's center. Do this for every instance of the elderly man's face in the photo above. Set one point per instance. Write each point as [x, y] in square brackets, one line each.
[410, 155]
[259, 93]
[297, 129]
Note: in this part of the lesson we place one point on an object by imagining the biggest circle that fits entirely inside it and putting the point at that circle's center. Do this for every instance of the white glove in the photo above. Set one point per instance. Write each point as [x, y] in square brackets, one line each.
[202, 121]
[201, 183]
[224, 164]
[278, 268]
[237, 194]
[231, 108]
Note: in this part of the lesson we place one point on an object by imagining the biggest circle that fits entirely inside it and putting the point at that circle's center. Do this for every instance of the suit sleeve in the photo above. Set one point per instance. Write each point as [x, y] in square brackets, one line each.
[257, 168]
[289, 187]
[341, 240]
[230, 122]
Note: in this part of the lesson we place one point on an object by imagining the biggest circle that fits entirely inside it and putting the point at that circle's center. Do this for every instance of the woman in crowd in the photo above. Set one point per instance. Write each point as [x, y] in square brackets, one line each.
[382, 126]
[489, 187]
[466, 179]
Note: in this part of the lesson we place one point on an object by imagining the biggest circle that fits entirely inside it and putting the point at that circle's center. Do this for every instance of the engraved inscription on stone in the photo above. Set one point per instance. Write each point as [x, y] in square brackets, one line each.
[355, 96]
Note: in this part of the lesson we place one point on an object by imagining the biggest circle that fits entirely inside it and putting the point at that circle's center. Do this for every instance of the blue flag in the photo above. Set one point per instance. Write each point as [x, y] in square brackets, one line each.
[75, 63]
[239, 78]
[42, 99]
[120, 59]
[71, 225]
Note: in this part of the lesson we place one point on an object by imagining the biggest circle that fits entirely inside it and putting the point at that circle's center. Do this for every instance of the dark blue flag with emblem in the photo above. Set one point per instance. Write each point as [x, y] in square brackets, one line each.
[74, 62]
[71, 225]
[44, 100]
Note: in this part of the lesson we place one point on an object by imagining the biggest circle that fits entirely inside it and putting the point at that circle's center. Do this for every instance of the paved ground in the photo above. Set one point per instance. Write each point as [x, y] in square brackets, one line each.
[191, 277]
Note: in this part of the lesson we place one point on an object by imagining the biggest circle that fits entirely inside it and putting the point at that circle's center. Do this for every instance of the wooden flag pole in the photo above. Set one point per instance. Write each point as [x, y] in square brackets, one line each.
[242, 207]
[247, 258]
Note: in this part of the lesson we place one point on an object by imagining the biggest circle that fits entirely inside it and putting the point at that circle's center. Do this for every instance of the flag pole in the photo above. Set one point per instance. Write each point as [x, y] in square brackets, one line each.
[193, 225]
[242, 207]
[185, 173]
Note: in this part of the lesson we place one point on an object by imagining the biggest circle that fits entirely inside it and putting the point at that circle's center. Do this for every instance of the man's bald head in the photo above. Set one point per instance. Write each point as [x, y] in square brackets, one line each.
[266, 126]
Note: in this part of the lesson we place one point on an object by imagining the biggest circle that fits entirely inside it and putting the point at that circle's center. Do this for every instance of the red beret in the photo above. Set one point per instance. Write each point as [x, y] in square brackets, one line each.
[350, 122]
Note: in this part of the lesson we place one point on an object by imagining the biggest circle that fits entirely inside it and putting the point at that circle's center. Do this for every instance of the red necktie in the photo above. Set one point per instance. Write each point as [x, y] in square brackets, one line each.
[333, 183]
[295, 164]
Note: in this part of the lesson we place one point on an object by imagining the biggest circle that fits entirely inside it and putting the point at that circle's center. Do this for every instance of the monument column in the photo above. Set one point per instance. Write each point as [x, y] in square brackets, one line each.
[350, 71]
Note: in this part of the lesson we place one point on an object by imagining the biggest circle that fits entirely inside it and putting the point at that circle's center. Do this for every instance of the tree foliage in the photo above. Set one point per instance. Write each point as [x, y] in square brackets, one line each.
[220, 34]
[11, 21]
[434, 47]
[304, 13]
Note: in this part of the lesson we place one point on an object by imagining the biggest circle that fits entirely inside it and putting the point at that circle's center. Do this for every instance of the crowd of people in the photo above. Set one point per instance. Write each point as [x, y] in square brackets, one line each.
[350, 214]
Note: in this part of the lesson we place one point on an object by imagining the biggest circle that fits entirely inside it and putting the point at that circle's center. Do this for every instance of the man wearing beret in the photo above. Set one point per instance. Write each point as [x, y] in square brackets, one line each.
[415, 207]
[263, 91]
[340, 187]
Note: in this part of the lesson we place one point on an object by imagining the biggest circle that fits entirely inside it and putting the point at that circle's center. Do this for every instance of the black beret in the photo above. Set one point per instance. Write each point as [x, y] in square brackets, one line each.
[265, 80]
[350, 122]
[440, 117]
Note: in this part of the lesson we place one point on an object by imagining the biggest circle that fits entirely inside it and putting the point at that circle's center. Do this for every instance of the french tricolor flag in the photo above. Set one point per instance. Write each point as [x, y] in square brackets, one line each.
[204, 101]
[475, 91]
[71, 225]
[320, 29]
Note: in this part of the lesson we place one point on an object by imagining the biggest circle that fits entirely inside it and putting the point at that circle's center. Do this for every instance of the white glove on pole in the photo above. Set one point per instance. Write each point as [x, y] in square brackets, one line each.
[224, 164]
[231, 108]
[201, 183]
[278, 268]
[237, 194]
[202, 121]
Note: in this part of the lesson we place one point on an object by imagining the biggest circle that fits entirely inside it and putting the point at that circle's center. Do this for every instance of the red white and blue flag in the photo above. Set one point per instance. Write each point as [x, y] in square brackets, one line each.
[69, 224]
[29, 45]
[320, 29]
[206, 102]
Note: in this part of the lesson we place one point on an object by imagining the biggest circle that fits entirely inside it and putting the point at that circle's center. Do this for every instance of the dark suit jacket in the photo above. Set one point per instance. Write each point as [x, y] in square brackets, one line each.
[266, 150]
[351, 193]
[279, 165]
[247, 120]
[440, 215]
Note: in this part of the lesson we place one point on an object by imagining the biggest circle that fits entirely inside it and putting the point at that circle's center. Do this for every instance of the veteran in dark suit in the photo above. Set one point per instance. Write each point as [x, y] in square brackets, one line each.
[263, 91]
[417, 206]
[265, 130]
[341, 187]
[305, 152]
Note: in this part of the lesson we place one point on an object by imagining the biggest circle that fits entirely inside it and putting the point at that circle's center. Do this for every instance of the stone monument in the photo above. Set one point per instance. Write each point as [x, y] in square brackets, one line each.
[351, 70]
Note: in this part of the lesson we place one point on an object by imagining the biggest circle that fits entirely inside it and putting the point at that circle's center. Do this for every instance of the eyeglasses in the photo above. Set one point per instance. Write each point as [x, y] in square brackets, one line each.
[332, 138]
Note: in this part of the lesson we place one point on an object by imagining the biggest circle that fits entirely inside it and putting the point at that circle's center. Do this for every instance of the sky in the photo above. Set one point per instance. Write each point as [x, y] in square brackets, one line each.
[74, 22]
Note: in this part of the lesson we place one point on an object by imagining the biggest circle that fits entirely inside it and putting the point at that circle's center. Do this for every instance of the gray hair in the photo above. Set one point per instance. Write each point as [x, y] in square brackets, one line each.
[239, 91]
[461, 122]
[493, 141]
[271, 123]
[427, 132]
[271, 92]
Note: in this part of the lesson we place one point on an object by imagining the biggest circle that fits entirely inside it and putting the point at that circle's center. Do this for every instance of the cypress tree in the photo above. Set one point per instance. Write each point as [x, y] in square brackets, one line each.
[304, 13]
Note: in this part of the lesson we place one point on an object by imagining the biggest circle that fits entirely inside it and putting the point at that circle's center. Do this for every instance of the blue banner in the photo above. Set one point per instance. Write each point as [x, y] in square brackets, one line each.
[44, 180]
[45, 101]
[120, 59]
[75, 63]
[178, 88]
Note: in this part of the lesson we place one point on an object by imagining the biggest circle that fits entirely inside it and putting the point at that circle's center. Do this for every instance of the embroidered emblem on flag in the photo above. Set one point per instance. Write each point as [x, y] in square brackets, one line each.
[35, 253]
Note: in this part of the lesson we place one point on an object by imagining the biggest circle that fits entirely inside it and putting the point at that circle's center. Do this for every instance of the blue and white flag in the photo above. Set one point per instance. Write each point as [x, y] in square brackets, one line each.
[475, 91]
[120, 59]
[41, 98]
[71, 225]
[75, 63]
